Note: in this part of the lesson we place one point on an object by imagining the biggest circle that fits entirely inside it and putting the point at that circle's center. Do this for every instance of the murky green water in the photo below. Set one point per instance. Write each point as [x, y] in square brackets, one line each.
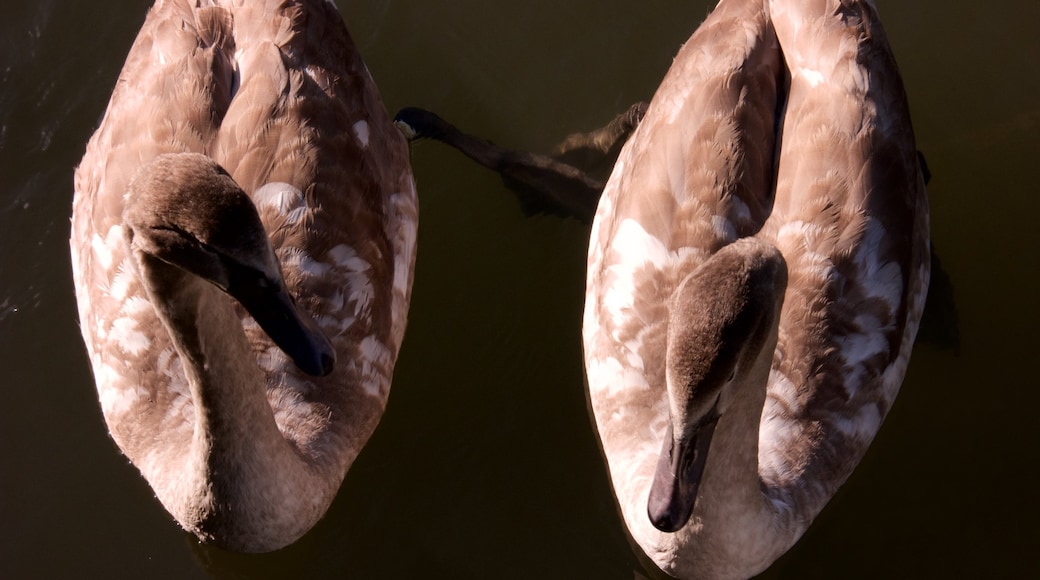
[485, 465]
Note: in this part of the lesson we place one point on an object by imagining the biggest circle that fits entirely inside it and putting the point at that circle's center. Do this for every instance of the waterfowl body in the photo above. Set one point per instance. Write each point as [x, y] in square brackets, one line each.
[758, 266]
[243, 241]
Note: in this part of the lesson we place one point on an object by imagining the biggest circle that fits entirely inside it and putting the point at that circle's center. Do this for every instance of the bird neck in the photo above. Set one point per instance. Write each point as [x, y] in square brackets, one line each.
[480, 150]
[239, 480]
[733, 511]
[734, 519]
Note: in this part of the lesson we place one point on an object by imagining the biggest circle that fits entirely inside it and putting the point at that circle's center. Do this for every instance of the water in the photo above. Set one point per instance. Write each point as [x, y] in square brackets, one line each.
[485, 465]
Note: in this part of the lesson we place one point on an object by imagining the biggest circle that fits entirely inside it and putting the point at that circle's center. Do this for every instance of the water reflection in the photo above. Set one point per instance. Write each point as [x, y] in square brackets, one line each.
[485, 464]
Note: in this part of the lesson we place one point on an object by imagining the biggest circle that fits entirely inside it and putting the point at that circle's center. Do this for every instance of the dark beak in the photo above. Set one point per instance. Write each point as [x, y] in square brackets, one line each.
[678, 477]
[293, 331]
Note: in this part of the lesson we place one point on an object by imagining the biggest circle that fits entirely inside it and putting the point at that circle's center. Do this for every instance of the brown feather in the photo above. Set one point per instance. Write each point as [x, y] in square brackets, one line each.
[273, 91]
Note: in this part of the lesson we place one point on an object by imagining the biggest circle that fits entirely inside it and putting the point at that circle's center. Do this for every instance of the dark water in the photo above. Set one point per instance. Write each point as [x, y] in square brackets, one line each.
[485, 465]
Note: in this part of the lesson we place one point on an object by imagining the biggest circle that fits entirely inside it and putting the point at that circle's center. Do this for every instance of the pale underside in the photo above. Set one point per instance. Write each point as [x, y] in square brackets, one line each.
[280, 98]
[849, 216]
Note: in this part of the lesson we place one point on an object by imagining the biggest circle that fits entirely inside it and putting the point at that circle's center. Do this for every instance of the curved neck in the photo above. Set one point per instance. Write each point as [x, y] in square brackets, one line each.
[733, 510]
[735, 518]
[239, 480]
[722, 334]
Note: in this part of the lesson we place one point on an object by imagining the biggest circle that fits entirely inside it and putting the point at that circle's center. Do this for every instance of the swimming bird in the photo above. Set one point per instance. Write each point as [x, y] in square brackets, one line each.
[566, 183]
[243, 243]
[757, 269]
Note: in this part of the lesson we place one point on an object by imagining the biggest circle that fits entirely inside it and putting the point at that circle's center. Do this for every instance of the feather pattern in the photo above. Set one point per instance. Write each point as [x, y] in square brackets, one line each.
[786, 121]
[271, 90]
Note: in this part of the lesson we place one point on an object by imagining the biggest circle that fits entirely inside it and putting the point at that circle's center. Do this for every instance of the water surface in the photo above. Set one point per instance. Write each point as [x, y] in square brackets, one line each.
[485, 465]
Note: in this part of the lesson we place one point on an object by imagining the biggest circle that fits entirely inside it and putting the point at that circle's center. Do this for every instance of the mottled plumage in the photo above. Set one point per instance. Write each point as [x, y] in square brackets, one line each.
[820, 164]
[276, 93]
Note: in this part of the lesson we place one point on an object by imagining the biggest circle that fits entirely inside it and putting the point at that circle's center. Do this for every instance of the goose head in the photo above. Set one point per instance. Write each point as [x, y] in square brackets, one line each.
[184, 210]
[722, 330]
[416, 123]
